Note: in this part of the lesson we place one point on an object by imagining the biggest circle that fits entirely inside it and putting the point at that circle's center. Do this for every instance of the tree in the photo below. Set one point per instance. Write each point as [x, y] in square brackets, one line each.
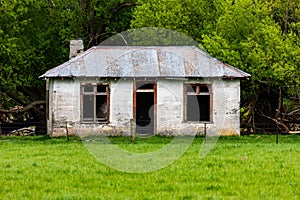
[191, 17]
[248, 36]
[34, 37]
[91, 20]
[259, 37]
[25, 39]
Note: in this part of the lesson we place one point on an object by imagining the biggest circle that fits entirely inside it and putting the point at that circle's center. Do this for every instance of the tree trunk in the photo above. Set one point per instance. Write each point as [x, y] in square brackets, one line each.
[0, 132]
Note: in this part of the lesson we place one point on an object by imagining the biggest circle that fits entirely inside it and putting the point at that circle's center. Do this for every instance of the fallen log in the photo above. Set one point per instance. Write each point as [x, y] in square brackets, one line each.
[294, 132]
[277, 122]
[17, 109]
[22, 132]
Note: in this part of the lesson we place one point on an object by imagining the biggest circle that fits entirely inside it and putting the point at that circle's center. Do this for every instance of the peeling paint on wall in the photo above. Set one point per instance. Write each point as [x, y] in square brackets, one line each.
[66, 106]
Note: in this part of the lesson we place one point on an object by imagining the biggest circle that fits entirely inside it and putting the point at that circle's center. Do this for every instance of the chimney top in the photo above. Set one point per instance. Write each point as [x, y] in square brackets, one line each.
[76, 47]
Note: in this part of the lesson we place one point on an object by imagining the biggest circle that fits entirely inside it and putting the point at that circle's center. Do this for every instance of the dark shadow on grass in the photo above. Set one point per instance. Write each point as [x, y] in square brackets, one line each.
[143, 140]
[260, 138]
[40, 138]
[156, 139]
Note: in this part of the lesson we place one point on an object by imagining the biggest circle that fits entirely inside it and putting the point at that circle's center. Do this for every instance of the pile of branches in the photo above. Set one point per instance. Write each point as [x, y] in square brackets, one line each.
[17, 116]
[27, 131]
[270, 111]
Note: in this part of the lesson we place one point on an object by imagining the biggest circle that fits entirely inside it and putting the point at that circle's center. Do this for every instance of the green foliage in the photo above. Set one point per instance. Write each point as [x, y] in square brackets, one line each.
[93, 21]
[287, 14]
[247, 36]
[28, 47]
[246, 167]
[25, 40]
[244, 33]
[150, 36]
[259, 37]
[191, 17]
[35, 34]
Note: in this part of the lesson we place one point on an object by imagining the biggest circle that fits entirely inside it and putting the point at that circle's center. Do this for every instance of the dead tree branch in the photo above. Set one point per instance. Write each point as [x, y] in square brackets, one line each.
[18, 109]
[277, 122]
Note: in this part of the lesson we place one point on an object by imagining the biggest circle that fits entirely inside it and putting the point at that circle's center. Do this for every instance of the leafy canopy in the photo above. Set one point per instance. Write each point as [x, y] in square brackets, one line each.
[35, 34]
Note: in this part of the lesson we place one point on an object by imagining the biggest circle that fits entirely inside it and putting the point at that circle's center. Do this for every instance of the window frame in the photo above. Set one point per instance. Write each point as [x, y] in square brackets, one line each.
[196, 93]
[94, 93]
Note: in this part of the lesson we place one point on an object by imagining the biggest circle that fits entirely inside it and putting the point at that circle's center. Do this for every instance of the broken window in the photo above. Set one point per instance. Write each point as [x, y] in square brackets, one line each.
[198, 102]
[95, 103]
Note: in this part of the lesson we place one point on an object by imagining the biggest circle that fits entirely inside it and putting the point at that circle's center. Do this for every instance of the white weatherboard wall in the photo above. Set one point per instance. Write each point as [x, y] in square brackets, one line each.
[64, 101]
[170, 108]
[121, 106]
[226, 110]
[65, 107]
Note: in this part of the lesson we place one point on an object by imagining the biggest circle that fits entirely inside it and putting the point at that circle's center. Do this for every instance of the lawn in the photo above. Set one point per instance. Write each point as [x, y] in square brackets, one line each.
[245, 167]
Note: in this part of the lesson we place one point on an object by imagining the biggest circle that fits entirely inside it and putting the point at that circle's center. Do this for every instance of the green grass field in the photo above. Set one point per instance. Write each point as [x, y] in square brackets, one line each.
[246, 167]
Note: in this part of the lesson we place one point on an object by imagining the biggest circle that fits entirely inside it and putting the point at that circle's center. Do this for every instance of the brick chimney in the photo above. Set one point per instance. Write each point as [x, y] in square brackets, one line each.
[76, 47]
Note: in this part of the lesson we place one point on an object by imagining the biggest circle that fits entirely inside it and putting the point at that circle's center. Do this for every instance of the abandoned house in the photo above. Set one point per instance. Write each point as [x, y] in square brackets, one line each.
[119, 90]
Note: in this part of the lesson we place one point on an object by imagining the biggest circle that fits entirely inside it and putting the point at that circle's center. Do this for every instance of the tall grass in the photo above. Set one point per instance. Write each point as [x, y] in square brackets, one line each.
[246, 167]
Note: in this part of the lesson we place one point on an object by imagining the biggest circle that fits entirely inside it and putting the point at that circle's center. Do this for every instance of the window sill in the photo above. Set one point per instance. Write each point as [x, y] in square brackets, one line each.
[84, 122]
[198, 122]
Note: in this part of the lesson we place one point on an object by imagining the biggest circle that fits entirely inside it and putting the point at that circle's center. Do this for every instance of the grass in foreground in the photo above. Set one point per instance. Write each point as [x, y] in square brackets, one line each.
[246, 167]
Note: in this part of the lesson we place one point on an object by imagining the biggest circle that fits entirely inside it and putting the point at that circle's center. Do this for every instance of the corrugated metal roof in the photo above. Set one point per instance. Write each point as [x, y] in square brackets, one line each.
[144, 61]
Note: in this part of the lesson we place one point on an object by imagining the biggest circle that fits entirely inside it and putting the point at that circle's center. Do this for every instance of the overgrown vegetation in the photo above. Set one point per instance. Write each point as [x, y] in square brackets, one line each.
[34, 37]
[259, 37]
[246, 167]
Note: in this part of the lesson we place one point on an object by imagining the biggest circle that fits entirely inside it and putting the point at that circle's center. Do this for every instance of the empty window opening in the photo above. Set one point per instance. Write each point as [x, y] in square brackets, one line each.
[101, 107]
[143, 85]
[101, 88]
[198, 102]
[95, 99]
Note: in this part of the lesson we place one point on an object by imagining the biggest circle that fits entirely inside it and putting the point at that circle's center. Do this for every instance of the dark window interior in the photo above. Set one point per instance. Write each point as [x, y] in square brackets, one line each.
[101, 107]
[144, 85]
[198, 108]
[198, 102]
[101, 88]
[204, 88]
[190, 88]
[196, 88]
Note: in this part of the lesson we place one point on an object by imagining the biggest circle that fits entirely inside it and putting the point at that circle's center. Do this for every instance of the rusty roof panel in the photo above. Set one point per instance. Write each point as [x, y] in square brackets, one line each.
[142, 61]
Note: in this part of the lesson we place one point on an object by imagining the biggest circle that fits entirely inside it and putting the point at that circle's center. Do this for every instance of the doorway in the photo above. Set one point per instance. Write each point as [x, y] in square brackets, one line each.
[145, 107]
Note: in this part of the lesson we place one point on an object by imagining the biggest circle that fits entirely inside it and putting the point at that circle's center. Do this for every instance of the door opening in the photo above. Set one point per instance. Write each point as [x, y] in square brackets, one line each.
[145, 103]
